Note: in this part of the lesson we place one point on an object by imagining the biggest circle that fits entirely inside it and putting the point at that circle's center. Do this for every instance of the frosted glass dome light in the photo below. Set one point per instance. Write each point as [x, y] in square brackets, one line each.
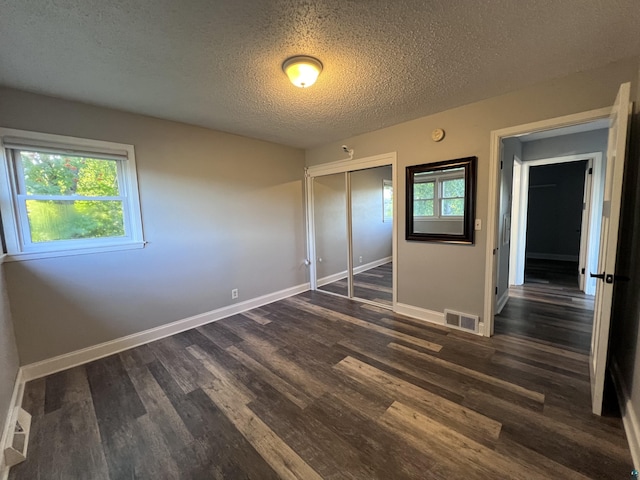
[303, 71]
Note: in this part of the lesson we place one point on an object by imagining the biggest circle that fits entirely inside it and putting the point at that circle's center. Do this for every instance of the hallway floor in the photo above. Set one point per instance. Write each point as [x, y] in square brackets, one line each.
[549, 307]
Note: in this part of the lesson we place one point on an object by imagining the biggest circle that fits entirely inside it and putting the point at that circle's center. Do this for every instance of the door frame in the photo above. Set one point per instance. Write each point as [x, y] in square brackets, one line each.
[520, 212]
[343, 166]
[518, 225]
[495, 154]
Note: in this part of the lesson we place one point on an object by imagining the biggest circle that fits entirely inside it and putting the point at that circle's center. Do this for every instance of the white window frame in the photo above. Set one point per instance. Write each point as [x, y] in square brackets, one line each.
[14, 214]
[441, 196]
[387, 184]
[434, 199]
[437, 197]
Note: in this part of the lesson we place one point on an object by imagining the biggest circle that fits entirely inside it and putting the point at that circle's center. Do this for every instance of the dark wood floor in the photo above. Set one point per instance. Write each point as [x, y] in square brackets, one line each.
[556, 272]
[549, 307]
[317, 386]
[374, 285]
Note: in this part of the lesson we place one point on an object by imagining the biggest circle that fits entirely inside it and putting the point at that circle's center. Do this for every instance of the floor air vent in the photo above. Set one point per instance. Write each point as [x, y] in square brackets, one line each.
[463, 321]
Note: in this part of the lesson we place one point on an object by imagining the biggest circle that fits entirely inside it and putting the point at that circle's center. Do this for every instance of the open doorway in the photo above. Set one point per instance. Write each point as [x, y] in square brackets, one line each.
[555, 227]
[551, 194]
[617, 118]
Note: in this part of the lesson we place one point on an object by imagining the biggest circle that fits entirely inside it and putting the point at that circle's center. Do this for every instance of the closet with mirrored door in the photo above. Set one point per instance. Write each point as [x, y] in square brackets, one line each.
[351, 210]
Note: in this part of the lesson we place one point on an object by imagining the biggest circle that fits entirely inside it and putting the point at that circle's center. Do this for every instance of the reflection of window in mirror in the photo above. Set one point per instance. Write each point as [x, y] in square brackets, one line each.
[441, 201]
[439, 195]
[387, 201]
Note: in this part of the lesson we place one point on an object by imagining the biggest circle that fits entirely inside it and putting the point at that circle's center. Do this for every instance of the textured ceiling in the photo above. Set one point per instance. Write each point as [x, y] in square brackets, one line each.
[218, 63]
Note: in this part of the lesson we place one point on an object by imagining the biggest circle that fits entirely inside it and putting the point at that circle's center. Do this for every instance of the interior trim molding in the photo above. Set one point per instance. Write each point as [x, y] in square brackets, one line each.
[359, 269]
[371, 265]
[430, 316]
[332, 278]
[629, 413]
[95, 352]
[346, 165]
[502, 301]
[16, 401]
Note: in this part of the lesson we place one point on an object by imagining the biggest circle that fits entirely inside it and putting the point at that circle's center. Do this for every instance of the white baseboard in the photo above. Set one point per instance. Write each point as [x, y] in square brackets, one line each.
[370, 265]
[553, 256]
[359, 269]
[502, 301]
[430, 316]
[420, 313]
[89, 354]
[630, 417]
[16, 401]
[332, 278]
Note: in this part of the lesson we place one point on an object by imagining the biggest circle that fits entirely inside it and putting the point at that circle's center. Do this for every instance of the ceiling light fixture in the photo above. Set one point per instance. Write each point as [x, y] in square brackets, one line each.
[303, 71]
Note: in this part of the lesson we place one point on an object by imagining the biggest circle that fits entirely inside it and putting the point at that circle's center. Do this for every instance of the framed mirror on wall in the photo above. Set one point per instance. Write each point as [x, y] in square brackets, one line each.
[440, 201]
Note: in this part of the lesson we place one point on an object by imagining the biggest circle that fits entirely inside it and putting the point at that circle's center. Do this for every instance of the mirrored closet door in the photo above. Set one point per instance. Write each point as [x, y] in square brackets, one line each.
[353, 218]
[330, 216]
[372, 234]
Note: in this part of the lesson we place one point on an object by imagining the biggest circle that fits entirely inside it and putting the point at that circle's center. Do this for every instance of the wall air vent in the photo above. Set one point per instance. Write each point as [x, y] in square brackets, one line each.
[461, 321]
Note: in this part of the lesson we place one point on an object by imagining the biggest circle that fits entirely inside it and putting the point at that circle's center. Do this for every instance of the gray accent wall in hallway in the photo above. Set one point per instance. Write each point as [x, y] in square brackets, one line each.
[574, 144]
[554, 220]
[219, 211]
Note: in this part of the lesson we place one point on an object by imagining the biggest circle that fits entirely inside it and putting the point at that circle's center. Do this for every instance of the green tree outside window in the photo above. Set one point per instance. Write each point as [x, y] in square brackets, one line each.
[423, 199]
[74, 179]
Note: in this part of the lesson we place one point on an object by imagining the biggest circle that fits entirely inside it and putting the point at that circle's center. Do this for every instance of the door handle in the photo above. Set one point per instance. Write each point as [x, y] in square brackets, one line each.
[608, 277]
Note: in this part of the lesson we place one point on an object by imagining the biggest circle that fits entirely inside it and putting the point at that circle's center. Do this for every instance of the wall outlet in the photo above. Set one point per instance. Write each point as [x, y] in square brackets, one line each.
[360, 259]
[234, 293]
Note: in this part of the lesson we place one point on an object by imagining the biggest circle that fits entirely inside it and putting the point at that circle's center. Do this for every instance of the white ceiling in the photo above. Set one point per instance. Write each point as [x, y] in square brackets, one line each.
[218, 63]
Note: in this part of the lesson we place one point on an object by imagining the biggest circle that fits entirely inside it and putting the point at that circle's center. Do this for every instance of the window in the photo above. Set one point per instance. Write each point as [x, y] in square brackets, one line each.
[452, 203]
[387, 201]
[65, 195]
[423, 199]
[439, 195]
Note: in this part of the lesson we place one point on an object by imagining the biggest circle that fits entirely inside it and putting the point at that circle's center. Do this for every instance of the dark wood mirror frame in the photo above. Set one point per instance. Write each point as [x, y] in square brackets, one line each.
[469, 164]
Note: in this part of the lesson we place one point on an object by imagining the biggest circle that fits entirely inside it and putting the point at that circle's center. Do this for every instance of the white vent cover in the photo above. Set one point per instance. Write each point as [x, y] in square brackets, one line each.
[462, 321]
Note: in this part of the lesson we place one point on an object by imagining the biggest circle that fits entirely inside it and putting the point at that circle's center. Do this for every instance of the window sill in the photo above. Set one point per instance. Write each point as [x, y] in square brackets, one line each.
[439, 219]
[24, 256]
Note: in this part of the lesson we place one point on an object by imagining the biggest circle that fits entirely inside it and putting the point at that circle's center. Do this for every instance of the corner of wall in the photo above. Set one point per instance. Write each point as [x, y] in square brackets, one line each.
[630, 415]
[11, 384]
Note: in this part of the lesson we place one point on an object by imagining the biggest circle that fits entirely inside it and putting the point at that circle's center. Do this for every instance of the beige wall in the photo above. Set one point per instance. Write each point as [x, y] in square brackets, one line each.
[219, 212]
[435, 276]
[8, 354]
[330, 216]
[371, 236]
